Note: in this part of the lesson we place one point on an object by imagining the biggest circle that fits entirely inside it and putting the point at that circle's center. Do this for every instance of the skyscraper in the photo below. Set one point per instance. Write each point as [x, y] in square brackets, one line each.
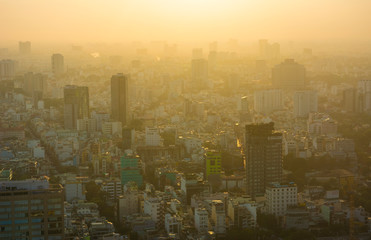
[76, 105]
[288, 75]
[57, 64]
[199, 73]
[31, 209]
[263, 151]
[305, 102]
[25, 47]
[120, 98]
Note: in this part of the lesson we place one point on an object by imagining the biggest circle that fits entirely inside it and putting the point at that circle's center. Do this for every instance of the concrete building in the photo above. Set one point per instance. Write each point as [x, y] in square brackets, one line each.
[31, 209]
[280, 197]
[128, 203]
[364, 89]
[76, 105]
[289, 75]
[153, 137]
[213, 163]
[263, 151]
[154, 207]
[218, 217]
[173, 224]
[24, 47]
[74, 190]
[7, 69]
[201, 220]
[87, 125]
[199, 74]
[305, 102]
[267, 101]
[120, 98]
[57, 64]
[112, 128]
[113, 187]
[131, 169]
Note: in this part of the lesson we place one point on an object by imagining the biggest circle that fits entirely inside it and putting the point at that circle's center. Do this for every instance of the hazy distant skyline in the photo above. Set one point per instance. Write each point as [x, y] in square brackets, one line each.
[184, 20]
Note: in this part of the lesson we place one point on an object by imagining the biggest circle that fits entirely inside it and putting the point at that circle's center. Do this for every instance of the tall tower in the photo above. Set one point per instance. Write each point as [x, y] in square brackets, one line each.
[200, 73]
[120, 98]
[263, 157]
[57, 64]
[288, 75]
[76, 105]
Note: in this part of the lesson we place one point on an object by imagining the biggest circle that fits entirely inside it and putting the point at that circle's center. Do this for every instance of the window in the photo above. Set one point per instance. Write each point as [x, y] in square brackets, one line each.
[23, 202]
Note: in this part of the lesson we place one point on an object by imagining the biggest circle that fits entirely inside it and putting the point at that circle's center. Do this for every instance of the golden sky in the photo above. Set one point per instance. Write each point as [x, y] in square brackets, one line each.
[184, 20]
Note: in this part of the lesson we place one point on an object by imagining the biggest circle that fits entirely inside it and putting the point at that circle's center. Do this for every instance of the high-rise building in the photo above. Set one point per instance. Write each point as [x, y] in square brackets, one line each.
[244, 104]
[263, 152]
[199, 73]
[130, 169]
[305, 102]
[76, 105]
[267, 101]
[25, 47]
[288, 75]
[120, 98]
[364, 90]
[213, 163]
[153, 137]
[31, 209]
[57, 64]
[351, 100]
[267, 50]
[34, 85]
[7, 69]
[218, 216]
[279, 197]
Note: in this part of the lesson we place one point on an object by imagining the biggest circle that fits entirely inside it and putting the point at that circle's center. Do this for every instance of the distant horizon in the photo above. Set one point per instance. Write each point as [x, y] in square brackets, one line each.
[181, 20]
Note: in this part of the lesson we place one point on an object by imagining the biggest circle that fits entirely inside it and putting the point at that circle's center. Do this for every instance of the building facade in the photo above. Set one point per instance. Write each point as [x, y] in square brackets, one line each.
[263, 152]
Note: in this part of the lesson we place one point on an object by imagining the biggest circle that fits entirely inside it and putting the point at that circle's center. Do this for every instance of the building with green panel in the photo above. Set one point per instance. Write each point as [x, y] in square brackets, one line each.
[131, 169]
[213, 163]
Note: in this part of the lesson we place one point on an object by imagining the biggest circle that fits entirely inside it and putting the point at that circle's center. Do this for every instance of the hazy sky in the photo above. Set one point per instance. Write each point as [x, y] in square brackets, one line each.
[184, 20]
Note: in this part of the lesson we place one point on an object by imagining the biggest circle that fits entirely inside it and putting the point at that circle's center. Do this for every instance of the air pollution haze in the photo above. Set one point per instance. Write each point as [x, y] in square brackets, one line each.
[184, 20]
[185, 119]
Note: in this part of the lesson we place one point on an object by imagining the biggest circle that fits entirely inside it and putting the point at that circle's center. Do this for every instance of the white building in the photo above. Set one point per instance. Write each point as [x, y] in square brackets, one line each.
[87, 124]
[128, 204]
[7, 69]
[113, 188]
[279, 197]
[364, 89]
[153, 206]
[267, 101]
[153, 137]
[218, 216]
[305, 102]
[173, 224]
[74, 190]
[201, 220]
[112, 128]
[38, 152]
